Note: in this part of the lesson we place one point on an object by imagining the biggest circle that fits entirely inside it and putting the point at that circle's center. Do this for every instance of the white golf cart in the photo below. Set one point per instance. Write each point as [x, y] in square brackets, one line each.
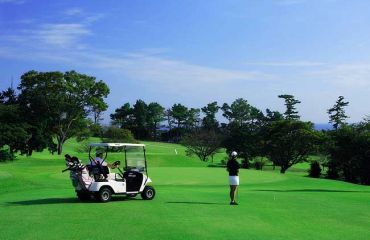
[97, 180]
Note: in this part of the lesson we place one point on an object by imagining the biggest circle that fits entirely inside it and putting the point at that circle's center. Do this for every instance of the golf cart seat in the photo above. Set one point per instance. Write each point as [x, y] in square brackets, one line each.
[98, 171]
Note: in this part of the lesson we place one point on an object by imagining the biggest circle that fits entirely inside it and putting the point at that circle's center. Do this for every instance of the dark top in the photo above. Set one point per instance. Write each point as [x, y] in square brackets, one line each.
[233, 167]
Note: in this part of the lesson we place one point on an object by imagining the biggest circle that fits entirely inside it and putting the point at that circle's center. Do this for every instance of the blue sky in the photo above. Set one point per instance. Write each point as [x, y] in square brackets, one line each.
[196, 52]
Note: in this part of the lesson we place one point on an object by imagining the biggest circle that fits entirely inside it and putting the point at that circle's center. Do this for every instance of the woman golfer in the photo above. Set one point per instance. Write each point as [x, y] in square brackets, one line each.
[233, 169]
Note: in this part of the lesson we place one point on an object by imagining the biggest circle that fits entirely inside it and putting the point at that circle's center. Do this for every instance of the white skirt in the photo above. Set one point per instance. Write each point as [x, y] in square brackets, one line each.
[234, 180]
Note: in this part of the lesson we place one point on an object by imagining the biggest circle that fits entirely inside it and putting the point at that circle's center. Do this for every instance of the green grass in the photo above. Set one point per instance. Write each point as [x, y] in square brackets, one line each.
[37, 201]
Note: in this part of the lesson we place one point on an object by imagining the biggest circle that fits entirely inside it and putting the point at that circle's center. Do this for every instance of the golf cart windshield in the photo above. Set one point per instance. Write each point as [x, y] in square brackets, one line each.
[135, 159]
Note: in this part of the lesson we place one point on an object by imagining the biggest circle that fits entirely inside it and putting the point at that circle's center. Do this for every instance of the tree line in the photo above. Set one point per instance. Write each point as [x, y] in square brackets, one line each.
[258, 136]
[51, 107]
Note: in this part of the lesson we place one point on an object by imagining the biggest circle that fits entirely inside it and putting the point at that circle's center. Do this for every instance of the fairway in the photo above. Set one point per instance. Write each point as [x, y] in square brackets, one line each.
[37, 201]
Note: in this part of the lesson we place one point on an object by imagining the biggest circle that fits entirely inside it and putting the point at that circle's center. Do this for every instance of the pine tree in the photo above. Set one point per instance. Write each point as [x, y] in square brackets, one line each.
[337, 114]
[290, 102]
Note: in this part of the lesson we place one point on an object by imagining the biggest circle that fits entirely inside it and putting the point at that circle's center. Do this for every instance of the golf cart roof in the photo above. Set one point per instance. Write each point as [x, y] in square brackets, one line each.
[115, 145]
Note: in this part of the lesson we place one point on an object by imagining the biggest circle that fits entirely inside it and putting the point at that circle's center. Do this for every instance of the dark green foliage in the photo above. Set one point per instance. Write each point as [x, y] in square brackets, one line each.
[246, 140]
[209, 121]
[273, 116]
[259, 163]
[14, 131]
[289, 142]
[174, 135]
[202, 143]
[350, 154]
[119, 135]
[123, 117]
[240, 112]
[333, 170]
[245, 164]
[141, 119]
[58, 103]
[337, 114]
[192, 118]
[96, 130]
[180, 120]
[179, 114]
[243, 133]
[290, 102]
[315, 169]
[6, 155]
[8, 97]
[155, 116]
[140, 114]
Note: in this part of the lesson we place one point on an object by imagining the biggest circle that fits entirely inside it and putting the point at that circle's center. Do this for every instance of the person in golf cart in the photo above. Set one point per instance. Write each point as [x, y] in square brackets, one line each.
[98, 160]
[99, 167]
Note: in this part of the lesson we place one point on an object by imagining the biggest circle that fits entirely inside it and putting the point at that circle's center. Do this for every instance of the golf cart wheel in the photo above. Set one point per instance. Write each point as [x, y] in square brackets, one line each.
[83, 196]
[148, 193]
[105, 194]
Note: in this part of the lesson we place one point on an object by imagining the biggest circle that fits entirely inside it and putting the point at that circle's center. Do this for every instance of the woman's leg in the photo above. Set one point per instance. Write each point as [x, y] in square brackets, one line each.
[232, 192]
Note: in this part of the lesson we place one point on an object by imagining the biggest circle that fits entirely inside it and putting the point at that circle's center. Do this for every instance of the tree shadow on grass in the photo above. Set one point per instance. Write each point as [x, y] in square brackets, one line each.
[47, 201]
[310, 190]
[201, 203]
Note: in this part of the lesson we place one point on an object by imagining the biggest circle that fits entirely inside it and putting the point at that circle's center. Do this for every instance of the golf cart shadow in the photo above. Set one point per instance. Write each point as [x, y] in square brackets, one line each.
[47, 201]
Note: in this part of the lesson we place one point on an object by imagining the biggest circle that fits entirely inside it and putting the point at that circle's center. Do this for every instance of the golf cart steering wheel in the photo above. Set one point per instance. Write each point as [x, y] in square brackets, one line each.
[116, 163]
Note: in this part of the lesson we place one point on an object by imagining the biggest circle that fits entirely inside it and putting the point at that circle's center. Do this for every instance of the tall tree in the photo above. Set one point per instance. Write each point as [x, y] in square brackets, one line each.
[289, 142]
[192, 118]
[168, 117]
[290, 102]
[60, 102]
[140, 113]
[179, 114]
[242, 132]
[14, 130]
[202, 143]
[209, 121]
[8, 97]
[239, 112]
[337, 115]
[155, 116]
[123, 117]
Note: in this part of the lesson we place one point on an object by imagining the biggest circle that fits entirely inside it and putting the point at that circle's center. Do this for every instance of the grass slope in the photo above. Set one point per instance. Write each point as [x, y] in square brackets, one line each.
[37, 202]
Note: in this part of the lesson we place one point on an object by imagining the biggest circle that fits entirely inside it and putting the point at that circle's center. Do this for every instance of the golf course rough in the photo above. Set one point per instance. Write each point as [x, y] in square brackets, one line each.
[37, 201]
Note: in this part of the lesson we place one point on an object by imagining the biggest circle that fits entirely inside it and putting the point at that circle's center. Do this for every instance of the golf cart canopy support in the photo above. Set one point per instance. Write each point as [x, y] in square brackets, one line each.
[126, 147]
[115, 145]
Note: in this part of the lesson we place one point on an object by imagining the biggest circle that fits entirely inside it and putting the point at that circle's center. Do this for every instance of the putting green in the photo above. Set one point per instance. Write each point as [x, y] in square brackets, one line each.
[37, 201]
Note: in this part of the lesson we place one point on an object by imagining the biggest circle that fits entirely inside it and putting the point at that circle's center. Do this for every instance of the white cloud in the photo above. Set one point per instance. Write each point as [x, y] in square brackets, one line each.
[287, 64]
[60, 35]
[170, 72]
[86, 18]
[346, 75]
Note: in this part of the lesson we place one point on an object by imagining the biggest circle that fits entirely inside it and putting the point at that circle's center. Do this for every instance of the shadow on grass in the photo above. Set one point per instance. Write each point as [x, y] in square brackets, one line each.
[310, 190]
[46, 201]
[201, 203]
